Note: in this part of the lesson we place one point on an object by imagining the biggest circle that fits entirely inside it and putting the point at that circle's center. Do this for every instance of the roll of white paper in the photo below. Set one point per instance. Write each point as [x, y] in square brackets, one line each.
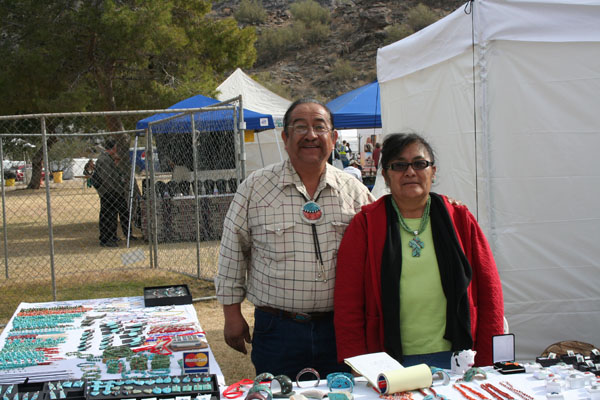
[405, 379]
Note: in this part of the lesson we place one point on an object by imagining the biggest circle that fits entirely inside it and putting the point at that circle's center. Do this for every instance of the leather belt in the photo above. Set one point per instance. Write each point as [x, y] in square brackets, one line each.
[297, 316]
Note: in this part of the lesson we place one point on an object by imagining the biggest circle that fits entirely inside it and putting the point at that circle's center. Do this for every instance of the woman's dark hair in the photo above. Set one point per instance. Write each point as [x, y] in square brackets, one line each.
[286, 117]
[395, 143]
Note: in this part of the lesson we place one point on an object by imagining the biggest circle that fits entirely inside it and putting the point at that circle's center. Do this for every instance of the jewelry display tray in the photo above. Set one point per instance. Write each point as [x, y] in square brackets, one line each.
[148, 389]
[170, 295]
[83, 390]
[44, 390]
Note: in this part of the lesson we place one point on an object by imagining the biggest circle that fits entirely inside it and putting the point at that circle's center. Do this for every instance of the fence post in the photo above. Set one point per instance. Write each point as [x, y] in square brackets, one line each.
[48, 206]
[4, 210]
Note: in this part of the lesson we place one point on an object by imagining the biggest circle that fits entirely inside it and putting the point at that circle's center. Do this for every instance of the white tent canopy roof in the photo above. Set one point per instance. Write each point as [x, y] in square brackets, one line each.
[531, 21]
[517, 136]
[255, 97]
[265, 147]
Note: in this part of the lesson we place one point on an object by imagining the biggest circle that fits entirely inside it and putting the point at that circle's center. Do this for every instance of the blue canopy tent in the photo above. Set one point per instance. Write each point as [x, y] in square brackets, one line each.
[216, 120]
[216, 142]
[359, 108]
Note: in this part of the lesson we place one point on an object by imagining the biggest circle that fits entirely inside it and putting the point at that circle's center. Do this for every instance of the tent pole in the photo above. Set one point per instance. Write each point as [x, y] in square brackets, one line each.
[278, 146]
[262, 160]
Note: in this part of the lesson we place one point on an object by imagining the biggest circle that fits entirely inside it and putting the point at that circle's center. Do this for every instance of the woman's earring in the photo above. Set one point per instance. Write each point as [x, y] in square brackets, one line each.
[433, 180]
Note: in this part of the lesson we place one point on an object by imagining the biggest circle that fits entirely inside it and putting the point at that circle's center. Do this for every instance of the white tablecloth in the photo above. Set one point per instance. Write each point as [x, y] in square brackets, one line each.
[524, 382]
[125, 309]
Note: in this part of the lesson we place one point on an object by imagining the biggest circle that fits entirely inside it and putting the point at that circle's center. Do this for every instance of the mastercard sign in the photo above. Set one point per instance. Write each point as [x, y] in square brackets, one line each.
[195, 362]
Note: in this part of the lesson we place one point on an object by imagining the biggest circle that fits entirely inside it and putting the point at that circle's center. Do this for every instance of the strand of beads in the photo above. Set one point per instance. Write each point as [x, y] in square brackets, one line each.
[494, 391]
[397, 396]
[475, 392]
[52, 310]
[21, 359]
[516, 391]
[465, 394]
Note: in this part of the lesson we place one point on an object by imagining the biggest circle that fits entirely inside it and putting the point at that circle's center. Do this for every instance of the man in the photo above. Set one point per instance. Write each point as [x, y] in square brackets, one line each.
[354, 170]
[279, 249]
[112, 189]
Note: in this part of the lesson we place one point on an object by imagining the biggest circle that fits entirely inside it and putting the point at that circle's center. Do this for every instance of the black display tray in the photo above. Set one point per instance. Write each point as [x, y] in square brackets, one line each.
[546, 361]
[73, 390]
[142, 388]
[170, 295]
[9, 391]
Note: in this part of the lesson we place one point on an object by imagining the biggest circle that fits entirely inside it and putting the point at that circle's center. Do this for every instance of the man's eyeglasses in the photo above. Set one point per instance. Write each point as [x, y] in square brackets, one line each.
[302, 129]
[402, 166]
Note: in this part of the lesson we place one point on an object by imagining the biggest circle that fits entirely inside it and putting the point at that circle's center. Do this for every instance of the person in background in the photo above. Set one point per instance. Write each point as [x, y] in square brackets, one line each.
[112, 189]
[376, 154]
[354, 170]
[341, 149]
[88, 171]
[279, 246]
[348, 149]
[415, 275]
[369, 164]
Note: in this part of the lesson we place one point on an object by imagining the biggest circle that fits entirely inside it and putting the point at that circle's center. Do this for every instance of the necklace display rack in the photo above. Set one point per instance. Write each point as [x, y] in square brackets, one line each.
[190, 386]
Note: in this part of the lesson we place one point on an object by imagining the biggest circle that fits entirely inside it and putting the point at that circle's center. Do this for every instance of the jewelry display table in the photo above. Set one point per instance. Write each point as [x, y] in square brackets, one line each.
[524, 387]
[102, 339]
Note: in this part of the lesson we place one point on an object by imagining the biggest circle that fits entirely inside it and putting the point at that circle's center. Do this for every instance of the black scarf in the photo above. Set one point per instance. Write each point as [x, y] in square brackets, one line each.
[455, 273]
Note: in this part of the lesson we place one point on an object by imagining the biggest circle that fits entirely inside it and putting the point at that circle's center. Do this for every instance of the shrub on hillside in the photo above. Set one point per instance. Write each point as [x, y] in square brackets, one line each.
[316, 33]
[310, 12]
[420, 16]
[343, 71]
[250, 12]
[272, 44]
[396, 32]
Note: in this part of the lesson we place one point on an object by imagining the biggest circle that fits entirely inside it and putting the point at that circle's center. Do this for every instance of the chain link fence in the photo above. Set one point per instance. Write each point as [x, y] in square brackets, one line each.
[172, 177]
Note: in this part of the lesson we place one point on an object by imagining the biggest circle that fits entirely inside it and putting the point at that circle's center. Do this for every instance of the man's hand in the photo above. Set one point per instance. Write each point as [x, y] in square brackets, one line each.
[236, 330]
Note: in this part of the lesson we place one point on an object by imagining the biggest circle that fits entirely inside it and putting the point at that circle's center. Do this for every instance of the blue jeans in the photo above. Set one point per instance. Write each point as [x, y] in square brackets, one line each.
[284, 346]
[440, 360]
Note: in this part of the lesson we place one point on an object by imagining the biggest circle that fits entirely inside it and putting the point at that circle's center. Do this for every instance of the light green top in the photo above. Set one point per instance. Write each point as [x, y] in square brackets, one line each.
[422, 299]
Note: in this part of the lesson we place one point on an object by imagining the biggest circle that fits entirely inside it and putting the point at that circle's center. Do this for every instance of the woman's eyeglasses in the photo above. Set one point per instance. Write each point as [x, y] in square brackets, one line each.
[402, 166]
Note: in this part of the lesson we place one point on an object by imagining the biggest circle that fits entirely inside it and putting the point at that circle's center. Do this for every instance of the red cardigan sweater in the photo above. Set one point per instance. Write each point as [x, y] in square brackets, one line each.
[357, 301]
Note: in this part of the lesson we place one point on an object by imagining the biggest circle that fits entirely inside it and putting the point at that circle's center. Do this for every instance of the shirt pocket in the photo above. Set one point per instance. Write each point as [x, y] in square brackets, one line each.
[340, 222]
[277, 240]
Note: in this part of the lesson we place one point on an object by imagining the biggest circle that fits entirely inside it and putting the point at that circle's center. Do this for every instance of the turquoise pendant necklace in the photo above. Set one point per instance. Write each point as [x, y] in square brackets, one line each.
[416, 244]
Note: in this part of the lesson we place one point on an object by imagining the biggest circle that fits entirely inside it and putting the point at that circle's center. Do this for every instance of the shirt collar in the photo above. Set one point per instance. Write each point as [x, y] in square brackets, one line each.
[291, 177]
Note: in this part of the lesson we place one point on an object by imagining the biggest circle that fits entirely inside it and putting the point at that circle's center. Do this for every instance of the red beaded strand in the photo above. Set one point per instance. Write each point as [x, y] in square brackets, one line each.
[514, 390]
[475, 392]
[397, 396]
[465, 395]
[488, 387]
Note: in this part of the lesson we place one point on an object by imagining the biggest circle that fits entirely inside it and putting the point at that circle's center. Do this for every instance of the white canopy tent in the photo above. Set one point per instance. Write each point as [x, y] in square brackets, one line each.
[264, 147]
[529, 168]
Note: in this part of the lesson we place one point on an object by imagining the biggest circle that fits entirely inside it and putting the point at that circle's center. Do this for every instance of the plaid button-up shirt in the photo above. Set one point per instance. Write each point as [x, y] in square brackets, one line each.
[267, 250]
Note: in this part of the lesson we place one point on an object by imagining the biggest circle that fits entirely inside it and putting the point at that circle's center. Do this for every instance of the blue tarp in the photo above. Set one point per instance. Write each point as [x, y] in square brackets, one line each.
[216, 121]
[359, 108]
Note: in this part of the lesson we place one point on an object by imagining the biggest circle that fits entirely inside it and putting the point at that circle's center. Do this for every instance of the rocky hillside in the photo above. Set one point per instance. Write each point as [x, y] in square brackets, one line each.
[357, 30]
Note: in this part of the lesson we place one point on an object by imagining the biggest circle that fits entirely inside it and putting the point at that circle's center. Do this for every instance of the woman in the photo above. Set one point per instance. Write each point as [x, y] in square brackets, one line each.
[415, 274]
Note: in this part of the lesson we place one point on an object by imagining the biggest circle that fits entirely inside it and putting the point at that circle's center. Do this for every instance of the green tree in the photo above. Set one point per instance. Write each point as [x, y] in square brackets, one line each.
[72, 55]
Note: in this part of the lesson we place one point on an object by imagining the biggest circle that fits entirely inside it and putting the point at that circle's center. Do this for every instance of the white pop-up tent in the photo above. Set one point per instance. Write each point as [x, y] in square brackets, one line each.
[264, 147]
[523, 155]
